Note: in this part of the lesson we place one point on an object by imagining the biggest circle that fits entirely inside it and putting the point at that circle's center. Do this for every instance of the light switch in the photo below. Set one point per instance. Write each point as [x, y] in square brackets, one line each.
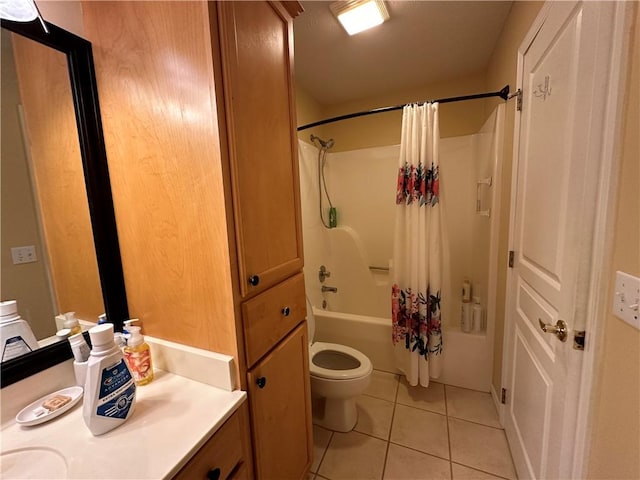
[24, 254]
[626, 302]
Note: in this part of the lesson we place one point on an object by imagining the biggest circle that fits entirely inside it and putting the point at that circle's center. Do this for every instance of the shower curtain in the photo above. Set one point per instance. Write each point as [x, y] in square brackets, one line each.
[417, 256]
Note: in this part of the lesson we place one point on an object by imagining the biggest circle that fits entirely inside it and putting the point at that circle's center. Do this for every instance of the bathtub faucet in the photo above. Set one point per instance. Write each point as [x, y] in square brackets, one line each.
[329, 289]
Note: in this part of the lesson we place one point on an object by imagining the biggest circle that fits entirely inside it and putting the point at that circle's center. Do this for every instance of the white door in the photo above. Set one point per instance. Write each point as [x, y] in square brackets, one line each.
[563, 73]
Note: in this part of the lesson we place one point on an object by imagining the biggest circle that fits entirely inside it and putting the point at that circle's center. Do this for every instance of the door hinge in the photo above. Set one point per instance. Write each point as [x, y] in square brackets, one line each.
[503, 396]
[511, 254]
[578, 339]
[518, 95]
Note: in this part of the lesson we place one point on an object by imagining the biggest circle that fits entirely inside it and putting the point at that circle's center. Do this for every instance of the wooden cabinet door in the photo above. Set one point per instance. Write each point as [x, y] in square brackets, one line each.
[256, 50]
[280, 403]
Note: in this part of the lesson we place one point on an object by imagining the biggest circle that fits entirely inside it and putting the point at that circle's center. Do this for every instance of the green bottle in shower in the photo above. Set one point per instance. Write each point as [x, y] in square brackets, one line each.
[333, 217]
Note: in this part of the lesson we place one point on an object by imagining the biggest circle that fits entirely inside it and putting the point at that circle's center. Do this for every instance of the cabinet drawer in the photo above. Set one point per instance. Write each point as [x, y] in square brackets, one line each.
[270, 316]
[223, 452]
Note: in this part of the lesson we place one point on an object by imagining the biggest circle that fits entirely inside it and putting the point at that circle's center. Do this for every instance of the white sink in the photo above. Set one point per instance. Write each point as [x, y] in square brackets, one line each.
[33, 463]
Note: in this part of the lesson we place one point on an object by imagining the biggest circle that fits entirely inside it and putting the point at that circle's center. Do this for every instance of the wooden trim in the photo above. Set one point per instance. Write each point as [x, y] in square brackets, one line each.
[605, 218]
[293, 8]
[223, 132]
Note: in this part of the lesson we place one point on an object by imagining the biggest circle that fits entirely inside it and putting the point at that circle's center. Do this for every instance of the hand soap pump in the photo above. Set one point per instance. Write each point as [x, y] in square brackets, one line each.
[71, 322]
[109, 392]
[138, 356]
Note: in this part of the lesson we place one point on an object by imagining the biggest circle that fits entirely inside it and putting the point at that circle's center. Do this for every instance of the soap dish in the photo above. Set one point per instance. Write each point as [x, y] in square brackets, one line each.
[36, 412]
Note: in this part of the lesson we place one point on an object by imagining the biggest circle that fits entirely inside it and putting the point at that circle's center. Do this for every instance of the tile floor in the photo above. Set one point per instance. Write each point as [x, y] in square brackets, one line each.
[414, 433]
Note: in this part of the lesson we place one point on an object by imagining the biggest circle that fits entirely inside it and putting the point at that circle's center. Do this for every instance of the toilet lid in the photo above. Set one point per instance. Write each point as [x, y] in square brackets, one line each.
[350, 358]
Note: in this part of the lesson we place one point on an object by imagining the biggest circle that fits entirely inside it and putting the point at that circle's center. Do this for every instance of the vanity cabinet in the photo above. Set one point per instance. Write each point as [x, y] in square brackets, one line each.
[256, 45]
[263, 204]
[199, 118]
[226, 455]
[279, 396]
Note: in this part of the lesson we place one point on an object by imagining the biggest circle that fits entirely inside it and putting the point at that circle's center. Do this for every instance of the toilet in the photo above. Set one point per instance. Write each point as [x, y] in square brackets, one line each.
[338, 375]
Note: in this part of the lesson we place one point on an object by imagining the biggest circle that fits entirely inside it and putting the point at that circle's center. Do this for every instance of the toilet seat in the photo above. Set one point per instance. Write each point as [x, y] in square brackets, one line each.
[318, 348]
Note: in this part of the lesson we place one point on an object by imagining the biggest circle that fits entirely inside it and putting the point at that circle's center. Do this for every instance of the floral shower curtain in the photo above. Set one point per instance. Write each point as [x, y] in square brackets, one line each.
[417, 257]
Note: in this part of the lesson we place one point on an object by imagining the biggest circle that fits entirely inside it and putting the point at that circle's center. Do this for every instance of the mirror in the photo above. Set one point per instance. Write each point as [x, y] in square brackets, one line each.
[56, 197]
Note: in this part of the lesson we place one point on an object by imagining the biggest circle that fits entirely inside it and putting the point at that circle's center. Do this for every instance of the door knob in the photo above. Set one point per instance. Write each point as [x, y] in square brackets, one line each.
[559, 329]
[261, 382]
[286, 311]
[254, 280]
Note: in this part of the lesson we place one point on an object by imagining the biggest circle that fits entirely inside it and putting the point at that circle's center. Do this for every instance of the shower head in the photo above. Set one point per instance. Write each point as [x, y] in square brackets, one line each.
[323, 145]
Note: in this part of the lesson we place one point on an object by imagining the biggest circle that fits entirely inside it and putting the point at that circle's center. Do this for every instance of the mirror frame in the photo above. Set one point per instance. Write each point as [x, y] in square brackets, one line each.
[96, 173]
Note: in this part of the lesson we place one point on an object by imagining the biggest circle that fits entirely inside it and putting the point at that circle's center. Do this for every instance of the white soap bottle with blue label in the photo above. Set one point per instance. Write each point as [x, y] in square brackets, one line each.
[109, 391]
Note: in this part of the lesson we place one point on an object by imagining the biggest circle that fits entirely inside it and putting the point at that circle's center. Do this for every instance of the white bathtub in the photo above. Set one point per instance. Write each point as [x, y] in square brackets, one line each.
[467, 360]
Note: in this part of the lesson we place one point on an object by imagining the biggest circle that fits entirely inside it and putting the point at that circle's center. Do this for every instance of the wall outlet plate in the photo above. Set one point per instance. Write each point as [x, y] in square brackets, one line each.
[626, 301]
[25, 254]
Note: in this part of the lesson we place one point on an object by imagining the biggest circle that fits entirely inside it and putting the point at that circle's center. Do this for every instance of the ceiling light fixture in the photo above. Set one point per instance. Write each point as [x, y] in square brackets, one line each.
[355, 16]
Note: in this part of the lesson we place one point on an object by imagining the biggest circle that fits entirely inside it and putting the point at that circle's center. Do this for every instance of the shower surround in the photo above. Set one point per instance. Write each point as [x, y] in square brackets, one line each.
[357, 253]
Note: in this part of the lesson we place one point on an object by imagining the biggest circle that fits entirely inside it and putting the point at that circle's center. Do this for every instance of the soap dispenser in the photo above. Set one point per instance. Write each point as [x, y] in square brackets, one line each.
[138, 356]
[71, 322]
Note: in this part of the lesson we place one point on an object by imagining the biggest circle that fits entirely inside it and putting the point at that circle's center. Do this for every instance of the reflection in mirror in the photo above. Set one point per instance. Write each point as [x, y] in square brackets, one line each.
[44, 199]
[68, 172]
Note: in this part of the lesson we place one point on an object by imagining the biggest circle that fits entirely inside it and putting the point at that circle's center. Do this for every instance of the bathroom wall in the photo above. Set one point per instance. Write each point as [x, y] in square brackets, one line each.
[63, 13]
[361, 184]
[616, 422]
[27, 283]
[155, 71]
[308, 110]
[456, 119]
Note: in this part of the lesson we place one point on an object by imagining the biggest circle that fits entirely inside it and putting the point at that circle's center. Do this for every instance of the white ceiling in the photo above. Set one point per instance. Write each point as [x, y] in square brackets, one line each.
[423, 42]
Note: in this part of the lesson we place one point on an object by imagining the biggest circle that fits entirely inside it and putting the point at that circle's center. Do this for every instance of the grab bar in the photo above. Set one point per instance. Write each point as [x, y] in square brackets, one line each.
[383, 269]
[484, 213]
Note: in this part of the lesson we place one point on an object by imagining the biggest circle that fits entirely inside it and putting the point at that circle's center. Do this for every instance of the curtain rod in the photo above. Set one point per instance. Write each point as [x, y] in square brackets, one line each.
[503, 94]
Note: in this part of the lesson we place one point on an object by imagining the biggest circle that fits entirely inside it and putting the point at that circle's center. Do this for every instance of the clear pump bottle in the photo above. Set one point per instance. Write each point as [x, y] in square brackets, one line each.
[138, 356]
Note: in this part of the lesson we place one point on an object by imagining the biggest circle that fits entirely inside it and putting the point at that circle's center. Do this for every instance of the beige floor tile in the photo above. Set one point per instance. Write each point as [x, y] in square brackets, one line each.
[374, 416]
[403, 463]
[420, 430]
[481, 447]
[321, 437]
[460, 472]
[352, 456]
[471, 405]
[430, 398]
[383, 385]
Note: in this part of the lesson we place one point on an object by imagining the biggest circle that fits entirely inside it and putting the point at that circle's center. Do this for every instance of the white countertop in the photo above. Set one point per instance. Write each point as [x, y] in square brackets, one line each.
[173, 418]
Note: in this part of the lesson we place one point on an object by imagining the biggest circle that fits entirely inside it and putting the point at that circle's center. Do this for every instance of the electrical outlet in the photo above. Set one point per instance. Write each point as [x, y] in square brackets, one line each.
[626, 302]
[25, 254]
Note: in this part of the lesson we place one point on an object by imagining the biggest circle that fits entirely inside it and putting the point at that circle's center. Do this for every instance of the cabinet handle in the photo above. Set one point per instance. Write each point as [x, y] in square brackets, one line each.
[254, 280]
[261, 382]
[286, 311]
[213, 474]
